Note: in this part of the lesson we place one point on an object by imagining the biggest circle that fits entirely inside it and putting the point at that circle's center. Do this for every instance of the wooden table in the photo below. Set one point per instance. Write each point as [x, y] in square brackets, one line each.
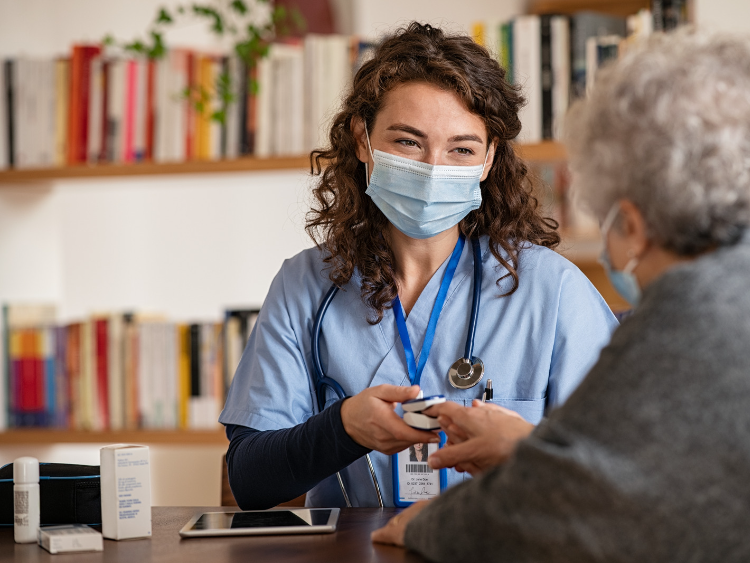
[350, 543]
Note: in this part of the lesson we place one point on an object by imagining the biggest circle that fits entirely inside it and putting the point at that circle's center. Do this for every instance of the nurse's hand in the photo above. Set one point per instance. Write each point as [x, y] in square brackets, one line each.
[479, 437]
[370, 420]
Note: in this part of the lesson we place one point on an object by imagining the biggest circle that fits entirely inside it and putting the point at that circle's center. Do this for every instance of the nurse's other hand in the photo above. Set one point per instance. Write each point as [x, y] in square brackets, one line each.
[370, 420]
[480, 437]
[393, 531]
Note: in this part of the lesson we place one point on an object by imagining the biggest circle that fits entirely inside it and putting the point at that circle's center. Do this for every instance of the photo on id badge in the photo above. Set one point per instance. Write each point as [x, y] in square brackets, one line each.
[413, 478]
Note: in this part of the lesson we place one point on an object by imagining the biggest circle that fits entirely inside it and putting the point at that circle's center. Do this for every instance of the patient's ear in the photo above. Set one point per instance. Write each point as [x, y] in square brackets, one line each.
[632, 226]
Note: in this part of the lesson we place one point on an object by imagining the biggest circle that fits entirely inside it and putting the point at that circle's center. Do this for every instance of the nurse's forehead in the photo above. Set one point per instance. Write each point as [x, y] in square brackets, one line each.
[426, 108]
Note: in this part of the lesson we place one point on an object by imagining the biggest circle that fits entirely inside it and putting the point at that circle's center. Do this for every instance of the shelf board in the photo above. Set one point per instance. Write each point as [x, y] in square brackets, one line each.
[547, 151]
[248, 164]
[620, 8]
[22, 436]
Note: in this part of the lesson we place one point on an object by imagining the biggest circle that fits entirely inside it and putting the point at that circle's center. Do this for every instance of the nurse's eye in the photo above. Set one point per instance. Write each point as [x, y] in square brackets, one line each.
[411, 143]
[464, 151]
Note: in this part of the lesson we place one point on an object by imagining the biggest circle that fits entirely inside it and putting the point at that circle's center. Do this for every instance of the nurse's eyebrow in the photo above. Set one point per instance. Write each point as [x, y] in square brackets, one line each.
[407, 129]
[461, 138]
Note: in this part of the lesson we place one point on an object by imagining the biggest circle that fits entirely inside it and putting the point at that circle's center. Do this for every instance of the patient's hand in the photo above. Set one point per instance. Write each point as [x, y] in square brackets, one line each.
[479, 437]
[393, 531]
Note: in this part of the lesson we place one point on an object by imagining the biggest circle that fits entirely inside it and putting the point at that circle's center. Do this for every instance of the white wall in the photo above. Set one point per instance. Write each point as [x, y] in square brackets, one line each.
[186, 246]
[725, 15]
[372, 18]
[181, 475]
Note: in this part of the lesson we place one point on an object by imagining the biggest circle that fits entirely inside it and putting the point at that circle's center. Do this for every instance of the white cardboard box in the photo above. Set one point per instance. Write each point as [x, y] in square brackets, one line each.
[126, 491]
[70, 538]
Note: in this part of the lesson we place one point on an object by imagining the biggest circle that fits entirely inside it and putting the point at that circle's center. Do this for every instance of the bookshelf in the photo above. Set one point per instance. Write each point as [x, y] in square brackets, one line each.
[542, 152]
[621, 8]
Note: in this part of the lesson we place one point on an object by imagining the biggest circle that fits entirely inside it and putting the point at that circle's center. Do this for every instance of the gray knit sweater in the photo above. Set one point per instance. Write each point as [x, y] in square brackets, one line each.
[649, 460]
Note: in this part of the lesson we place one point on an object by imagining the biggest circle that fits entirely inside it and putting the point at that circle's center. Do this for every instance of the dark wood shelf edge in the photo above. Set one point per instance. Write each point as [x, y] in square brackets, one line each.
[154, 169]
[542, 152]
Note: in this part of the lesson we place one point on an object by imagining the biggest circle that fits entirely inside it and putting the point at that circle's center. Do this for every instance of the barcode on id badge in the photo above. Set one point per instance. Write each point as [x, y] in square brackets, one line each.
[418, 468]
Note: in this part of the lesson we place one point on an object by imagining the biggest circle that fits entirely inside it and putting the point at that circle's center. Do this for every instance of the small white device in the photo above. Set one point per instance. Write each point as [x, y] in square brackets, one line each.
[25, 499]
[419, 405]
[262, 522]
[70, 538]
[421, 421]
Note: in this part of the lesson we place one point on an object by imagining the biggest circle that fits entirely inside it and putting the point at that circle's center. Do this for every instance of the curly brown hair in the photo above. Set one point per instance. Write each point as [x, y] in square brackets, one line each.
[349, 225]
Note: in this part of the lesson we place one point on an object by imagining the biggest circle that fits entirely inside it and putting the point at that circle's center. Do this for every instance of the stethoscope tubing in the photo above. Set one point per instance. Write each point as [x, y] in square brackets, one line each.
[477, 293]
[321, 380]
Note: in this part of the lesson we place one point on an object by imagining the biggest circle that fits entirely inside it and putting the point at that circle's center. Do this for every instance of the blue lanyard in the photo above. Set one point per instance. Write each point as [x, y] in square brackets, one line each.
[415, 371]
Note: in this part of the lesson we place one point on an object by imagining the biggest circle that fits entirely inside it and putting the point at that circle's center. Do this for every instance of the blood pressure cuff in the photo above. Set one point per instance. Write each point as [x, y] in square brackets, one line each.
[68, 494]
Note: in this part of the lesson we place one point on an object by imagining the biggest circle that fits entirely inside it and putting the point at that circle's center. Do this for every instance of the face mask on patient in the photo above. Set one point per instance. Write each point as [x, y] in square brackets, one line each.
[422, 200]
[624, 281]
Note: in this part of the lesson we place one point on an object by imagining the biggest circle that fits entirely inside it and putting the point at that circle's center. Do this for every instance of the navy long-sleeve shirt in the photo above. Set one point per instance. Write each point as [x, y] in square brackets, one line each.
[273, 466]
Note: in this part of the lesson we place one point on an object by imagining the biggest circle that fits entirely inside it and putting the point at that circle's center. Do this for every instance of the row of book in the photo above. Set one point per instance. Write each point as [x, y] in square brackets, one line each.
[98, 107]
[117, 371]
[555, 57]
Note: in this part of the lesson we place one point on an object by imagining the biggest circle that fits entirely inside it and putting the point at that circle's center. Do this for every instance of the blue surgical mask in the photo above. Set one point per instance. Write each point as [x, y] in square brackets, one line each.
[422, 200]
[624, 281]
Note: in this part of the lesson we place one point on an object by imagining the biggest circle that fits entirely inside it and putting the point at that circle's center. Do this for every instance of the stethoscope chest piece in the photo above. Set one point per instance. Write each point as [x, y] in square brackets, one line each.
[465, 374]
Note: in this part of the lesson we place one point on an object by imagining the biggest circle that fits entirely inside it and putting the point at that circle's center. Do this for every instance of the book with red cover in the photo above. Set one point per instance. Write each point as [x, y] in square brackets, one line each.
[78, 109]
[104, 151]
[150, 111]
[30, 380]
[192, 79]
[101, 357]
[250, 101]
[131, 84]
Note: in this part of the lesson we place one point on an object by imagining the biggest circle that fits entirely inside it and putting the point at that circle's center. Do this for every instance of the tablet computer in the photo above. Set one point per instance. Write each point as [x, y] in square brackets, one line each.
[262, 522]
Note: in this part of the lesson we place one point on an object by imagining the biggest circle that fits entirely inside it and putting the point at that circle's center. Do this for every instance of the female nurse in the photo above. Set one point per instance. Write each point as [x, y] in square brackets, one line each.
[421, 168]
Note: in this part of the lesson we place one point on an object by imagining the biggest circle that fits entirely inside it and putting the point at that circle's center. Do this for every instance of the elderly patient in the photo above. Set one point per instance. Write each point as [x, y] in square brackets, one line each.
[649, 460]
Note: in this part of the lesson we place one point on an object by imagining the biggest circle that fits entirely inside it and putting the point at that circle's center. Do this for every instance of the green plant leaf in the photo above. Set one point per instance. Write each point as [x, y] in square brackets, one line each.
[108, 40]
[254, 87]
[136, 46]
[158, 50]
[239, 6]
[211, 13]
[164, 16]
[219, 115]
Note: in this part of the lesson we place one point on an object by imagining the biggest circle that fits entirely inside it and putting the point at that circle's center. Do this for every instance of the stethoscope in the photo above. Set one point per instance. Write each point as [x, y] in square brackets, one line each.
[464, 373]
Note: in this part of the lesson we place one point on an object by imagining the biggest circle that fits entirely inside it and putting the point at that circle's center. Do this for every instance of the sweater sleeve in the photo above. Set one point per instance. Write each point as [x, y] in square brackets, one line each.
[274, 466]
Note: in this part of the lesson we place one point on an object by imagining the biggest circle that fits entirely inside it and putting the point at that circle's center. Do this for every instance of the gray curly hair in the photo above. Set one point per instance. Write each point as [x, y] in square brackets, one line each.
[668, 127]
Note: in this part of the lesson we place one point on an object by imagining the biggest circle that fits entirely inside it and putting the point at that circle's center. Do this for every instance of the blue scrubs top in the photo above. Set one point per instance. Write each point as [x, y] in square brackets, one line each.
[536, 344]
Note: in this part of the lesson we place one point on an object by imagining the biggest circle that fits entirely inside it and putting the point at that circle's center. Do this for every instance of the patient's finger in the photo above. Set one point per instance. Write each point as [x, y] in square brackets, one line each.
[452, 455]
[453, 432]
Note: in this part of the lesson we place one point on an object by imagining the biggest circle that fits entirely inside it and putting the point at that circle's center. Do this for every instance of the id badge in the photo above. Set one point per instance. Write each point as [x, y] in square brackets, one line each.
[413, 478]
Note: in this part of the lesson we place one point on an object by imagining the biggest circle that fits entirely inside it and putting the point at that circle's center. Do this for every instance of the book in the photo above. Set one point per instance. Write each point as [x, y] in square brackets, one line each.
[27, 363]
[238, 325]
[527, 72]
[4, 163]
[599, 50]
[61, 93]
[560, 43]
[545, 34]
[582, 26]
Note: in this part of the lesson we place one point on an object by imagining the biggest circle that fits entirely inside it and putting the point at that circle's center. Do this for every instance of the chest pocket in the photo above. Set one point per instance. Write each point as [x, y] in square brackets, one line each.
[532, 410]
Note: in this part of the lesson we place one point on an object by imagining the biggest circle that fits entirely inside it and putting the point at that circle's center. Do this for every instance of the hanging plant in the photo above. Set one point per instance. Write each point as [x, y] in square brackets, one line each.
[252, 26]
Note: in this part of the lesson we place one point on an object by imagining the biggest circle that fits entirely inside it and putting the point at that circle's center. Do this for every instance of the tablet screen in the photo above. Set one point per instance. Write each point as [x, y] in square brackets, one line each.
[262, 519]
